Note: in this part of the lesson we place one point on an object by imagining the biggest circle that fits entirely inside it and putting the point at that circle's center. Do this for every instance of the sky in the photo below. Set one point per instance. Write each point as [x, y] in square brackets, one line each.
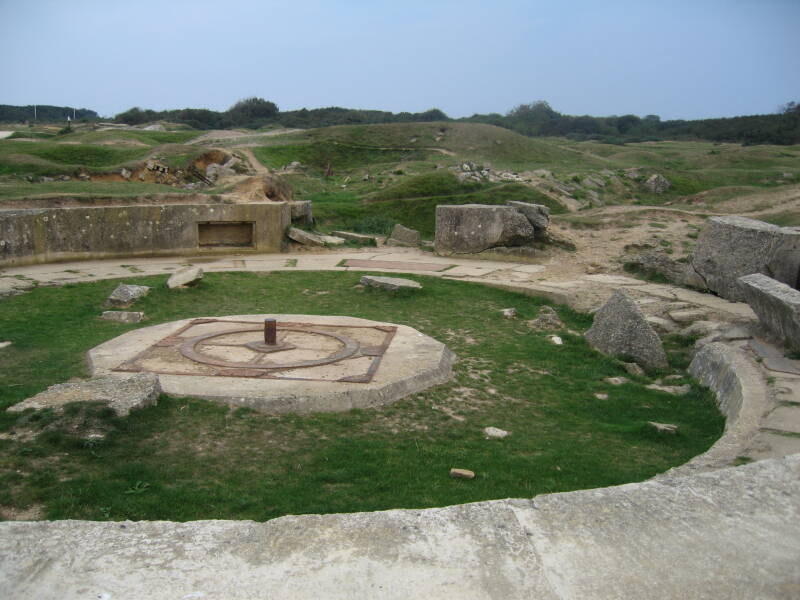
[680, 59]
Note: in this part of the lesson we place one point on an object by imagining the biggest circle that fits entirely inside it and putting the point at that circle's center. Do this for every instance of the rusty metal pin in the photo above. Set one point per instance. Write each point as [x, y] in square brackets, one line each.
[270, 332]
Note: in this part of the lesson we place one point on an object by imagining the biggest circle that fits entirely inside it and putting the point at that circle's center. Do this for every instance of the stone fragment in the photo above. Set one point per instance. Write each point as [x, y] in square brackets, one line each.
[4, 345]
[538, 215]
[548, 319]
[776, 305]
[617, 380]
[662, 325]
[332, 240]
[601, 396]
[187, 276]
[403, 236]
[633, 369]
[304, 237]
[122, 316]
[675, 390]
[663, 427]
[363, 238]
[657, 184]
[509, 313]
[462, 474]
[621, 330]
[126, 174]
[11, 286]
[390, 283]
[556, 340]
[301, 212]
[121, 395]
[125, 295]
[731, 247]
[472, 228]
[494, 433]
[701, 328]
[687, 316]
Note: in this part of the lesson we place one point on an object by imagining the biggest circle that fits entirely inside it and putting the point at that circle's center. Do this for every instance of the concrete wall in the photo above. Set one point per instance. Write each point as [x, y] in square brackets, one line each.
[47, 235]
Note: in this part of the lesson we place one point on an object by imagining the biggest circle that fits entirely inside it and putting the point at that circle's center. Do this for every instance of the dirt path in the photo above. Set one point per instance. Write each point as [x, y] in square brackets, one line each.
[254, 162]
[229, 135]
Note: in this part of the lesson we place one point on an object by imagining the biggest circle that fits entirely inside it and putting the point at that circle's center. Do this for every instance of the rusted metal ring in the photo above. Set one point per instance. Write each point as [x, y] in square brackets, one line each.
[188, 350]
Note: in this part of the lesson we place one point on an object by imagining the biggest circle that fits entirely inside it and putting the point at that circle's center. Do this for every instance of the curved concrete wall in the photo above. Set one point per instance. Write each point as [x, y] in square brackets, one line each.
[56, 234]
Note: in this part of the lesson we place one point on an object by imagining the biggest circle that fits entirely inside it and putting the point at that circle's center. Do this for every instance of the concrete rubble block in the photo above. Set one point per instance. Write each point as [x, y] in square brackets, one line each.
[362, 238]
[122, 316]
[121, 395]
[390, 283]
[548, 319]
[125, 295]
[185, 277]
[620, 329]
[494, 433]
[776, 305]
[685, 317]
[333, 240]
[4, 345]
[403, 236]
[633, 369]
[657, 184]
[305, 237]
[675, 390]
[472, 228]
[731, 247]
[538, 215]
[509, 313]
[663, 427]
[462, 474]
[301, 212]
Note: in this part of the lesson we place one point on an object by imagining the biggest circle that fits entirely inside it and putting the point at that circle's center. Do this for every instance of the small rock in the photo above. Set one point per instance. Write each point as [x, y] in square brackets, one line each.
[675, 390]
[657, 184]
[633, 369]
[125, 295]
[4, 345]
[125, 173]
[390, 283]
[494, 433]
[554, 339]
[122, 316]
[462, 474]
[509, 313]
[184, 277]
[601, 396]
[663, 427]
[548, 319]
[617, 380]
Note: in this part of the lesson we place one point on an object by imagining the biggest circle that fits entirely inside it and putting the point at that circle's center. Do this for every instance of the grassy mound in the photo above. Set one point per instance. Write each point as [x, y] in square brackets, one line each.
[189, 459]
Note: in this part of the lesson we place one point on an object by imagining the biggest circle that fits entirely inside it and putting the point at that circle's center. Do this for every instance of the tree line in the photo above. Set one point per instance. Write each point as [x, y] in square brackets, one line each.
[534, 119]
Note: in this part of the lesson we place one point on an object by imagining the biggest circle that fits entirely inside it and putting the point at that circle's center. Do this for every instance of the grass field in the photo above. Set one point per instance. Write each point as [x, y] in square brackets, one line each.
[190, 459]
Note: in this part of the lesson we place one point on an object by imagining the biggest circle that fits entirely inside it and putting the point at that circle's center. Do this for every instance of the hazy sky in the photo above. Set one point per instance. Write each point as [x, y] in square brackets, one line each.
[675, 58]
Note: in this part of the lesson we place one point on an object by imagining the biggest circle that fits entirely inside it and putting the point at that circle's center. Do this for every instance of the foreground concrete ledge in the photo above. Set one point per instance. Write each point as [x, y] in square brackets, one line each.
[412, 362]
[742, 397]
[733, 533]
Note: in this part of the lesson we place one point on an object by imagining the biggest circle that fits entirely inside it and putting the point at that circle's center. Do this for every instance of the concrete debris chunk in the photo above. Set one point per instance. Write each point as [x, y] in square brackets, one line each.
[473, 228]
[390, 283]
[357, 237]
[776, 305]
[462, 474]
[509, 313]
[121, 395]
[617, 380]
[620, 329]
[403, 236]
[633, 369]
[122, 316]
[548, 319]
[185, 277]
[125, 295]
[4, 345]
[494, 433]
[675, 390]
[538, 215]
[555, 340]
[657, 184]
[305, 237]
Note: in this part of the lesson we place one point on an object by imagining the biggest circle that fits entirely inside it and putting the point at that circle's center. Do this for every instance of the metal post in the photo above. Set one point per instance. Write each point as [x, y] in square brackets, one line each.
[270, 332]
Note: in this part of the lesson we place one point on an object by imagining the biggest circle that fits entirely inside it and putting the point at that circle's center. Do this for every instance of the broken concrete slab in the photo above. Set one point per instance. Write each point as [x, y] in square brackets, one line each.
[304, 237]
[121, 394]
[473, 228]
[126, 294]
[362, 238]
[403, 236]
[122, 316]
[390, 283]
[538, 215]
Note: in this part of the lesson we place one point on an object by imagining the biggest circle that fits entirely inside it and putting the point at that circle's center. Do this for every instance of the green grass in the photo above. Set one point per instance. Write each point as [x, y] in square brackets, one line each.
[783, 219]
[88, 190]
[339, 156]
[190, 459]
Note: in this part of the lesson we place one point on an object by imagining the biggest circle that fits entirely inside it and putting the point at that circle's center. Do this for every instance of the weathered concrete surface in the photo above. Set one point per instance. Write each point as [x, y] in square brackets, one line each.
[731, 247]
[733, 533]
[187, 276]
[411, 363]
[471, 228]
[122, 394]
[122, 316]
[741, 395]
[305, 237]
[55, 234]
[404, 236]
[126, 294]
[777, 306]
[538, 215]
[390, 283]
